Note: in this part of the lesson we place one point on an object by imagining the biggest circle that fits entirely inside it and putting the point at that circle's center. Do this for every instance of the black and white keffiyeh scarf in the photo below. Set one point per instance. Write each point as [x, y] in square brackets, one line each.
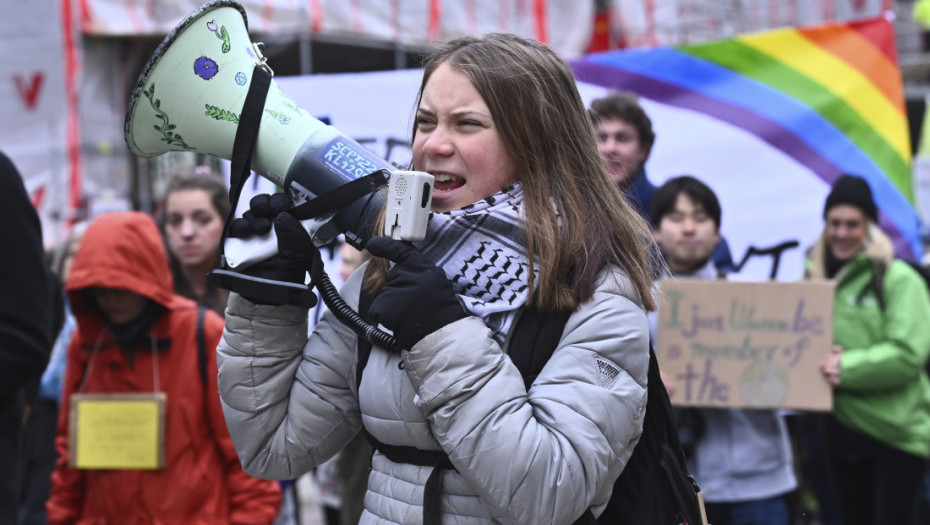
[481, 249]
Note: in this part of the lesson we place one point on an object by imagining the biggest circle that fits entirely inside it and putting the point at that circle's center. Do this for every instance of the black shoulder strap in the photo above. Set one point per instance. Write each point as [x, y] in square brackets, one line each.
[364, 346]
[201, 344]
[535, 337]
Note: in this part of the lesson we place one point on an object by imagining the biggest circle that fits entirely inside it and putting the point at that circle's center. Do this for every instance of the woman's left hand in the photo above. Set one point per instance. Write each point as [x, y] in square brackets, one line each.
[830, 365]
[417, 298]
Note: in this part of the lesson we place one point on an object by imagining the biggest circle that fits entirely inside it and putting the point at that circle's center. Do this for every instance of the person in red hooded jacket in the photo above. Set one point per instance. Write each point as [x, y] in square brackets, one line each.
[135, 335]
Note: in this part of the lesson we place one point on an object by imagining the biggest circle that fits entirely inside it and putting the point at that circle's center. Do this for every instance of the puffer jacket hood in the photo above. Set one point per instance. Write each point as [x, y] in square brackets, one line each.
[120, 250]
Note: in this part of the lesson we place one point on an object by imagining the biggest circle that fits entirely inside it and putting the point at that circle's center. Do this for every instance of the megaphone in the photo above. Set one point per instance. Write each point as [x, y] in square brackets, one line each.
[191, 94]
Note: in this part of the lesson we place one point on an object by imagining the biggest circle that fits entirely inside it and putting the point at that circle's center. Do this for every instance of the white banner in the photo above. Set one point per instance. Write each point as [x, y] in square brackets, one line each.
[759, 210]
[39, 97]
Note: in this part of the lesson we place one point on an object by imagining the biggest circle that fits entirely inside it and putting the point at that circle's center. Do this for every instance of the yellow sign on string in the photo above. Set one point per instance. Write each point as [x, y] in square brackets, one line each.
[117, 431]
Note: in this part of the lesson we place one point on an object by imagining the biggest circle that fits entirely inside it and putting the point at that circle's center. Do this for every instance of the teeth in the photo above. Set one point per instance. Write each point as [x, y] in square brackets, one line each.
[445, 177]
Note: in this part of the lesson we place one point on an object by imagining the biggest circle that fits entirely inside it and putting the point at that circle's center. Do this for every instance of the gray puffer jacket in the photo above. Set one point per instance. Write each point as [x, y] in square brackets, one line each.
[542, 456]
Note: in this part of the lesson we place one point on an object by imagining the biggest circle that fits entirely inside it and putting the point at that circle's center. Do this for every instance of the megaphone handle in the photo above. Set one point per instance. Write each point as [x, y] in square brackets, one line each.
[264, 291]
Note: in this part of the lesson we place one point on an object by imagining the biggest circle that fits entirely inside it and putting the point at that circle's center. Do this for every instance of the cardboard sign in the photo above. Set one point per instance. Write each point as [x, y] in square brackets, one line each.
[117, 431]
[746, 345]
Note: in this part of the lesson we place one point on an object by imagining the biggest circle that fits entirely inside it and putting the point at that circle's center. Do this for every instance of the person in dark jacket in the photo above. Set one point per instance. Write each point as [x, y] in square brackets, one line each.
[625, 138]
[26, 326]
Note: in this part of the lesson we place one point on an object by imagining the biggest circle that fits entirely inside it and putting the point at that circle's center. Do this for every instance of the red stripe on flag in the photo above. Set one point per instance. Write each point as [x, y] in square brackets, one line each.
[435, 12]
[72, 68]
[316, 16]
[880, 32]
[542, 23]
[86, 16]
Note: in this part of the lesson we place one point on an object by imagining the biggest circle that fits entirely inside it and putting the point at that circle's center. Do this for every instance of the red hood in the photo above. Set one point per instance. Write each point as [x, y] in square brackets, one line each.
[121, 250]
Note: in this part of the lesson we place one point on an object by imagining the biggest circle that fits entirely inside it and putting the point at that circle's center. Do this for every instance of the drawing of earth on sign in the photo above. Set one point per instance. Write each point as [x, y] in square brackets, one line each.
[764, 384]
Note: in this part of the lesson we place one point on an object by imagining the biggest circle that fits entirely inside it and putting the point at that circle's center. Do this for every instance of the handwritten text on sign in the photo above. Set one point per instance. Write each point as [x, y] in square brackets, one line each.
[739, 344]
[117, 431]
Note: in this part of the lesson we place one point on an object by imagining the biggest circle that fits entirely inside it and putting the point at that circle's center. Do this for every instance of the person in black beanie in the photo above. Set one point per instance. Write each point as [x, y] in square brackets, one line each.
[878, 434]
[25, 320]
[855, 191]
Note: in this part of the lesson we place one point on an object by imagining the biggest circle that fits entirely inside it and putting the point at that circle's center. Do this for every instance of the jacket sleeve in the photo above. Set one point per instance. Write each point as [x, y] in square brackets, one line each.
[25, 305]
[289, 400]
[65, 503]
[901, 354]
[252, 501]
[564, 442]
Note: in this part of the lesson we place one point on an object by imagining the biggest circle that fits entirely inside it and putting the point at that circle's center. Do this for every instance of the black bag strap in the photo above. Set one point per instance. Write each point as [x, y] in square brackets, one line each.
[400, 454]
[535, 337]
[201, 344]
[672, 458]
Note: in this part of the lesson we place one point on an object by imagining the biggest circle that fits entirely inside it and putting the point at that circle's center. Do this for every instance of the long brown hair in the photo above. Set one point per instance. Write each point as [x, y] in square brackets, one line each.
[531, 94]
[215, 188]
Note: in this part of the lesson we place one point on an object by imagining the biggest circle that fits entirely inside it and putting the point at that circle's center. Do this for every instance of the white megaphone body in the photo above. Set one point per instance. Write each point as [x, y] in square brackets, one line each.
[190, 97]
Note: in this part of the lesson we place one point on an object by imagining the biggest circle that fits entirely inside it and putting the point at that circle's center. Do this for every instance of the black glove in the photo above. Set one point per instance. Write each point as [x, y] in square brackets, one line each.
[296, 252]
[417, 298]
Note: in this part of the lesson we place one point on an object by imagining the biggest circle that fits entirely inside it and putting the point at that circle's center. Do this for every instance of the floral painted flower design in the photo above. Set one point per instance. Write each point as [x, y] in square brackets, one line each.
[220, 32]
[241, 79]
[206, 68]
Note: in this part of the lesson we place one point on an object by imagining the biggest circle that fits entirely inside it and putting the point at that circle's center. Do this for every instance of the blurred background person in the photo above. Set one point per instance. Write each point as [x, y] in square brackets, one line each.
[625, 138]
[134, 335]
[37, 460]
[196, 205]
[878, 435]
[742, 458]
[27, 324]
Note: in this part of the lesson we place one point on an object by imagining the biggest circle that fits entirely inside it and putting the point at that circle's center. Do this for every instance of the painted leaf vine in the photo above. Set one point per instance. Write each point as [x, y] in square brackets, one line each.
[167, 135]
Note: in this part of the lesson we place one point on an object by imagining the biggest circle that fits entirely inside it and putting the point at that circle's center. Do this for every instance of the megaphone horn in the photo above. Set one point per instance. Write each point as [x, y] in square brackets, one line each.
[190, 96]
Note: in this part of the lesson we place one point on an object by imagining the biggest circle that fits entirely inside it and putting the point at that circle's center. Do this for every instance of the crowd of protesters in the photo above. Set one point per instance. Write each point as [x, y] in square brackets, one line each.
[123, 313]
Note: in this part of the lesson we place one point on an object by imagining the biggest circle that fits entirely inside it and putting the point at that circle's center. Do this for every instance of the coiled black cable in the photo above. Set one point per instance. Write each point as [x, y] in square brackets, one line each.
[351, 318]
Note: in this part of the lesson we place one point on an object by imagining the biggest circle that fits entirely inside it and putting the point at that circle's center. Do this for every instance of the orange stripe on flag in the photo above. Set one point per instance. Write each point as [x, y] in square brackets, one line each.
[853, 48]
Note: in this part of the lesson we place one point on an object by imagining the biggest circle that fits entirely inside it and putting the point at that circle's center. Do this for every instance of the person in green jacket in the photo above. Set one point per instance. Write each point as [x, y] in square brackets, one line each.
[878, 435]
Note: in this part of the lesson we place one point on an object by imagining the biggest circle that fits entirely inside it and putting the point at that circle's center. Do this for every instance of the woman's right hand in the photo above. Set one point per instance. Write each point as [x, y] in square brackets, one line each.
[830, 366]
[417, 299]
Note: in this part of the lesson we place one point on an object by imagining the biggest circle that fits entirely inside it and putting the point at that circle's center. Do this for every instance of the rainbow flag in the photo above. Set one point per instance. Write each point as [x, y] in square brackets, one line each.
[829, 97]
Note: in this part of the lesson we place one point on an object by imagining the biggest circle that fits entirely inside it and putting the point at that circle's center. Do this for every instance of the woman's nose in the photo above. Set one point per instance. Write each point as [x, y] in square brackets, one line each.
[187, 228]
[437, 143]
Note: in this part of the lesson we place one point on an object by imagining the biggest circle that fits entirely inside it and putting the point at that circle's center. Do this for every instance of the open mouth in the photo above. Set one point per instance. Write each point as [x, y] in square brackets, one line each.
[445, 182]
